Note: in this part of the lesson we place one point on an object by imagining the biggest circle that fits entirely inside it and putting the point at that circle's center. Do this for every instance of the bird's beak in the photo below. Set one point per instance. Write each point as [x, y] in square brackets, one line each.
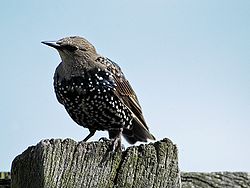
[52, 44]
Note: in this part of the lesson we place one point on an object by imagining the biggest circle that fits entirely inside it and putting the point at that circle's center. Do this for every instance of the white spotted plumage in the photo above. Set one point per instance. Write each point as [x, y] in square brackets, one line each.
[95, 92]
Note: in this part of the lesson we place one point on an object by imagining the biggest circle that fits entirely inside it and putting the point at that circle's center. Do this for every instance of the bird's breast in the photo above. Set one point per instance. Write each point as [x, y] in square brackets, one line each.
[90, 98]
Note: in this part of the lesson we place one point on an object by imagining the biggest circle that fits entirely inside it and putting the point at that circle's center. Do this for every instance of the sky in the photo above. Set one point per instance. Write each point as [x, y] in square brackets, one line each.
[188, 61]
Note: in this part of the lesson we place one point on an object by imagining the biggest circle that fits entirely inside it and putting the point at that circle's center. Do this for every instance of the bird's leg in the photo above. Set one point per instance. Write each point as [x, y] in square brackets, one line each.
[115, 137]
[116, 143]
[91, 133]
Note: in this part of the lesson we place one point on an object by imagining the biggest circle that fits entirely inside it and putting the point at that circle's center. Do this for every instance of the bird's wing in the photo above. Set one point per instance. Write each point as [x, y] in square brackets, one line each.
[125, 93]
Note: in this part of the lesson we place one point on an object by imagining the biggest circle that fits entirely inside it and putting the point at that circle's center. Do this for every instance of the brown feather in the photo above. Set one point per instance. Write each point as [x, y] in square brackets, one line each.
[127, 95]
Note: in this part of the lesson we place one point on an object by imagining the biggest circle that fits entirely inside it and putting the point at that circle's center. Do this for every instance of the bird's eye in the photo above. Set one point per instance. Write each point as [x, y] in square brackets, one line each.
[70, 48]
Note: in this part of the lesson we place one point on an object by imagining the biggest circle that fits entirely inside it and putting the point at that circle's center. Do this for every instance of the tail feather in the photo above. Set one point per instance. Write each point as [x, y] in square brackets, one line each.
[137, 133]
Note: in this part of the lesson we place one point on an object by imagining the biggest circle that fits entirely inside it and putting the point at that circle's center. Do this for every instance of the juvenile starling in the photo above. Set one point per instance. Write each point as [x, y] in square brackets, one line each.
[96, 94]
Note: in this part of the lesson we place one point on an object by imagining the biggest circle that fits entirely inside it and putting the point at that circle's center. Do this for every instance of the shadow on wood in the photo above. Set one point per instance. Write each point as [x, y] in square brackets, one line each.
[66, 163]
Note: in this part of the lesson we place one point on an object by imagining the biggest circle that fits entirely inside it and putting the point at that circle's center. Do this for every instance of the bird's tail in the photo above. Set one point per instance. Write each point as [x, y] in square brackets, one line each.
[137, 133]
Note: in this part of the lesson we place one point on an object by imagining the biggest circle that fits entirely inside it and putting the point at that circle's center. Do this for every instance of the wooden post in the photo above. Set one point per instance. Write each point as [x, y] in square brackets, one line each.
[66, 163]
[4, 180]
[215, 179]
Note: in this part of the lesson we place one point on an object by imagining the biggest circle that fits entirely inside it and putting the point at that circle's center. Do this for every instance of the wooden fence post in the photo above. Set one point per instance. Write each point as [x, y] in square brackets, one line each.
[66, 163]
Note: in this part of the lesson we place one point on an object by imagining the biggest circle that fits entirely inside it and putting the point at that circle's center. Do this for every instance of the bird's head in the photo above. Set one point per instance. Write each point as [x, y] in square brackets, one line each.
[74, 50]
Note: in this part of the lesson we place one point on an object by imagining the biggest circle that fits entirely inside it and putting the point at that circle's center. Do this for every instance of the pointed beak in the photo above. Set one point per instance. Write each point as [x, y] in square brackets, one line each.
[52, 44]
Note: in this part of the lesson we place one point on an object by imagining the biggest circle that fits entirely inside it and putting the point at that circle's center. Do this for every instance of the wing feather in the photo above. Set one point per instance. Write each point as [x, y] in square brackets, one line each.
[126, 94]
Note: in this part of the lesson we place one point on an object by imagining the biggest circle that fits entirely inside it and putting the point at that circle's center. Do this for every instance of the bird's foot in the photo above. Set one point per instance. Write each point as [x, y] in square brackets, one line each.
[116, 144]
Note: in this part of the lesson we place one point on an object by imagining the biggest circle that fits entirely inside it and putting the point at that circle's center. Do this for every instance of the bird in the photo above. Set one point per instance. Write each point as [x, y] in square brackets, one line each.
[96, 94]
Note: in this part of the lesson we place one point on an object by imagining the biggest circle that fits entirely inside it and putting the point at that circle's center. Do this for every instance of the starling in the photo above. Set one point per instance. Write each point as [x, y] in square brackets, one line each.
[96, 94]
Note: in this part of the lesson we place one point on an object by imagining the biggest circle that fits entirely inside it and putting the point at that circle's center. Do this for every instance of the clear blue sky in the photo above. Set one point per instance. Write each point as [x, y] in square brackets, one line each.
[188, 61]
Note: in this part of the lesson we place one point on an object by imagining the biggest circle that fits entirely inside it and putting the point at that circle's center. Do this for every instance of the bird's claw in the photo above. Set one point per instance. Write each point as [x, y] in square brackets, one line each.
[116, 144]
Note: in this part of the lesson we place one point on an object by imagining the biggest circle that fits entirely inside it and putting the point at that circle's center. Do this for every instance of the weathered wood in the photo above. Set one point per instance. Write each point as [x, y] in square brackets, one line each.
[215, 180]
[190, 180]
[4, 175]
[66, 163]
[4, 180]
